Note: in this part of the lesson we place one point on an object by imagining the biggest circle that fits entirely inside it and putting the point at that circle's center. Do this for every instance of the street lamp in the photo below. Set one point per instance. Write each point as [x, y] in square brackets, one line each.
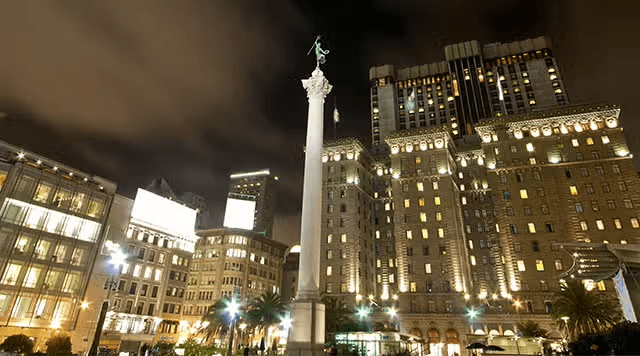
[362, 312]
[233, 308]
[392, 314]
[117, 258]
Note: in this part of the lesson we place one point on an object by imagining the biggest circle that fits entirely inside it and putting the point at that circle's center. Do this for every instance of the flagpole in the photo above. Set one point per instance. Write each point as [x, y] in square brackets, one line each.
[335, 122]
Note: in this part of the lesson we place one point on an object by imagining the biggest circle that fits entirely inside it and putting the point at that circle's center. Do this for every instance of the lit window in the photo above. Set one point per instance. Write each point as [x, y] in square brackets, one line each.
[329, 270]
[523, 194]
[329, 238]
[532, 227]
[343, 237]
[137, 269]
[573, 190]
[425, 233]
[464, 200]
[634, 223]
[435, 185]
[440, 232]
[617, 223]
[539, 266]
[605, 139]
[421, 202]
[583, 225]
[521, 266]
[407, 203]
[147, 272]
[462, 187]
[412, 287]
[409, 235]
[387, 206]
[589, 141]
[420, 186]
[530, 147]
[427, 268]
[600, 224]
[377, 234]
[558, 264]
[158, 275]
[436, 200]
[438, 216]
[378, 263]
[623, 242]
[473, 260]
[575, 143]
[532, 160]
[601, 286]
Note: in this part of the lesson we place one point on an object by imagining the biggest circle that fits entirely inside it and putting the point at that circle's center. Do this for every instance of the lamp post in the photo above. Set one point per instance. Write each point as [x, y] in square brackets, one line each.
[517, 304]
[392, 315]
[117, 259]
[232, 308]
[566, 328]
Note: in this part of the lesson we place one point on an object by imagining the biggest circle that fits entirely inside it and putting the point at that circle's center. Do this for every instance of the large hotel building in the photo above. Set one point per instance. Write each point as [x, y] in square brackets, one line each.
[478, 173]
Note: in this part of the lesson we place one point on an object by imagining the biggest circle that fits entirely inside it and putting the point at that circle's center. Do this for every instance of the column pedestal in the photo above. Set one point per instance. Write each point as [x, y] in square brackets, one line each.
[306, 337]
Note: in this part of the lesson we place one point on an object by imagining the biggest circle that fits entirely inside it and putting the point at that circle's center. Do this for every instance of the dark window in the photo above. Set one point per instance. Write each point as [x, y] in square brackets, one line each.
[132, 289]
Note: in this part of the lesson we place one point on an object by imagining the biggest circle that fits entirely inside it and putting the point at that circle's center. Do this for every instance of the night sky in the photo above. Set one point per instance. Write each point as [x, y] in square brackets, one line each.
[195, 90]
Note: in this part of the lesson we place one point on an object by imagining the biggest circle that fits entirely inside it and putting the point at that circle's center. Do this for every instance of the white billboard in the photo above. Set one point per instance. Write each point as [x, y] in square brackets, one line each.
[239, 214]
[163, 214]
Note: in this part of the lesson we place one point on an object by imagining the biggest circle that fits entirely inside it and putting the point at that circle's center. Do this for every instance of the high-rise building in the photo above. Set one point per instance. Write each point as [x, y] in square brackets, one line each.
[204, 219]
[157, 236]
[480, 174]
[257, 188]
[51, 227]
[348, 246]
[474, 83]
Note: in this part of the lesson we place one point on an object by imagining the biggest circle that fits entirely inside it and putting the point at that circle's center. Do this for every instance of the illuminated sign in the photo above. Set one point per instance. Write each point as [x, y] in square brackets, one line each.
[239, 214]
[163, 214]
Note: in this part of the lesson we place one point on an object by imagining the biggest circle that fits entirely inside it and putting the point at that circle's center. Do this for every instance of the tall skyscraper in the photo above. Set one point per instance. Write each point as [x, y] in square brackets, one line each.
[258, 187]
[480, 172]
[51, 227]
[474, 83]
[348, 245]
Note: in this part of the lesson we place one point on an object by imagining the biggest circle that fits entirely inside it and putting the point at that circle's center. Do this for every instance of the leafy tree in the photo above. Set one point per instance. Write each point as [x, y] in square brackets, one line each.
[59, 346]
[265, 311]
[193, 348]
[531, 329]
[623, 338]
[17, 343]
[164, 349]
[336, 314]
[588, 311]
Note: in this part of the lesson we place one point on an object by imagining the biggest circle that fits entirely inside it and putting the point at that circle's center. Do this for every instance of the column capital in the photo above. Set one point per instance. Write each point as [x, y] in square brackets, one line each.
[317, 85]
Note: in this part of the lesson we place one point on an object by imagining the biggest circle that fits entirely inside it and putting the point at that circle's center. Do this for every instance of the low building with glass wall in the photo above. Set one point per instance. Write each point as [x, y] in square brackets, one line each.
[51, 224]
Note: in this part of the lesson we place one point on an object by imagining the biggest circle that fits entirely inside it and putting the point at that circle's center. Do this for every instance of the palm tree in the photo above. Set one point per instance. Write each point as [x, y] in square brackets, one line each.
[265, 311]
[336, 314]
[217, 320]
[583, 312]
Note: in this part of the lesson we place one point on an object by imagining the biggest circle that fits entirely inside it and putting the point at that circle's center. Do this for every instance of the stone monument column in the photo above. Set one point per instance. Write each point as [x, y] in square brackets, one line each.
[307, 311]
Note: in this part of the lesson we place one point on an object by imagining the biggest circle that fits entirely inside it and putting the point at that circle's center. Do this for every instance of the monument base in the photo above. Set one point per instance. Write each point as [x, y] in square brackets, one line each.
[306, 334]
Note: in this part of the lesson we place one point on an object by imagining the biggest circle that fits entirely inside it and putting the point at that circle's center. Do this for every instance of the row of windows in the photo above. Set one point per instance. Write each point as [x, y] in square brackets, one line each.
[63, 198]
[133, 288]
[137, 271]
